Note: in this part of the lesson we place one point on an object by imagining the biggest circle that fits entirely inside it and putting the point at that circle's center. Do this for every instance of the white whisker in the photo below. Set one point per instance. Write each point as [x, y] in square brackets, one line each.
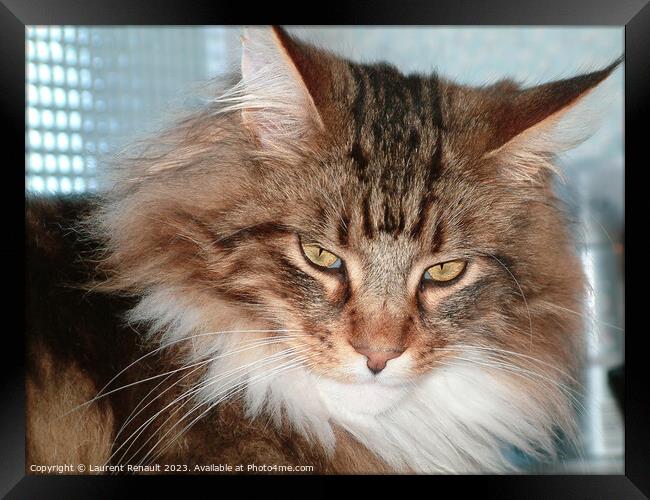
[101, 394]
[530, 319]
[292, 364]
[199, 387]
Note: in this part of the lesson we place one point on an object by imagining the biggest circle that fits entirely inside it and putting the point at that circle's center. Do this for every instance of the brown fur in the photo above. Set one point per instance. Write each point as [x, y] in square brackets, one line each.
[55, 436]
[350, 458]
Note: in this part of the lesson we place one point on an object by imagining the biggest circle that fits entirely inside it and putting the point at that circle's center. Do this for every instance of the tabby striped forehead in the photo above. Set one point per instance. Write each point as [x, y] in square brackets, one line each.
[396, 146]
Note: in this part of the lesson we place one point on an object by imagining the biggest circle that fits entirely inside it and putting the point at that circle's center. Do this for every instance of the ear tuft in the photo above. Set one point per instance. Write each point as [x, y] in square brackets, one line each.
[530, 126]
[275, 103]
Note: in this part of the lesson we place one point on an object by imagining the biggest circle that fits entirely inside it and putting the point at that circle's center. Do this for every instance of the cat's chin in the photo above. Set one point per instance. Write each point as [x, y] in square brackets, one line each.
[367, 397]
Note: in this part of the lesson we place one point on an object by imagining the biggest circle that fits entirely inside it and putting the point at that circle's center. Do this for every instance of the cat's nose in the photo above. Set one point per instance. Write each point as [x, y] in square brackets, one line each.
[377, 359]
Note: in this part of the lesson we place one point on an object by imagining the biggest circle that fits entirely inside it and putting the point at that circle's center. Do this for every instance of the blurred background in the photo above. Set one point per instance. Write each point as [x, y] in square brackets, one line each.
[90, 90]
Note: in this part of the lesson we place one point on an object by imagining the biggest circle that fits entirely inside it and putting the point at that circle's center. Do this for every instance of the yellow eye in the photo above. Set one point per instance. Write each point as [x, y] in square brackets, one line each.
[321, 257]
[445, 271]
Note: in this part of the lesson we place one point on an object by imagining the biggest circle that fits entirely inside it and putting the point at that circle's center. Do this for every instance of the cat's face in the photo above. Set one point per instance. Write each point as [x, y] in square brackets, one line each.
[394, 224]
[349, 256]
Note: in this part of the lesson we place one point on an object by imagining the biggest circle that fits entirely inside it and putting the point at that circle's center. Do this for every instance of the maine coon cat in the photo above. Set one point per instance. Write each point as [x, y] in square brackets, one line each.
[332, 264]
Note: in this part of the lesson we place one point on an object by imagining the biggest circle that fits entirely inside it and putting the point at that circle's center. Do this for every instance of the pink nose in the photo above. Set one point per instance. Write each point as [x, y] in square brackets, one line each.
[377, 359]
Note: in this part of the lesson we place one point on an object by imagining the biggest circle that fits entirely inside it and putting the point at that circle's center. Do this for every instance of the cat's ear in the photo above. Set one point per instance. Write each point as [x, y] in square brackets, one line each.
[279, 81]
[529, 126]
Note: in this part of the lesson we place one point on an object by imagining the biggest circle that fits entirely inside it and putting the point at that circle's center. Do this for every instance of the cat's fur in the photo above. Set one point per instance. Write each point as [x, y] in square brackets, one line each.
[242, 351]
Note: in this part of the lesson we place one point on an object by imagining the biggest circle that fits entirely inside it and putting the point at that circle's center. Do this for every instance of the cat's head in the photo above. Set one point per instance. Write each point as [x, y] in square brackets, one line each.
[396, 223]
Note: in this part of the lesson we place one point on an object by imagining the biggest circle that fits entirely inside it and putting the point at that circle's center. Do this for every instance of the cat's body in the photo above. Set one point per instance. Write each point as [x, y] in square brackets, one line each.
[335, 265]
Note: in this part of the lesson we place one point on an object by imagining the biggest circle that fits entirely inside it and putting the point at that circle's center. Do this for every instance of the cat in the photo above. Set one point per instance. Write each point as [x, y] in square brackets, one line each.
[331, 265]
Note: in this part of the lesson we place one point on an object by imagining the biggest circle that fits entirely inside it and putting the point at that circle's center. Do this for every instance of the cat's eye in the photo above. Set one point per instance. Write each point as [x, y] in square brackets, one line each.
[445, 271]
[321, 257]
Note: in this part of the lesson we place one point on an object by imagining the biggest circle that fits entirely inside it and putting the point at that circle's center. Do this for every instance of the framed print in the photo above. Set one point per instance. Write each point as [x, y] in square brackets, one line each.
[361, 248]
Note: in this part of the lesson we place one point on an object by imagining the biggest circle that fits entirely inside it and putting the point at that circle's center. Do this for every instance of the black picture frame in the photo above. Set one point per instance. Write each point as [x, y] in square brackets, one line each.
[16, 14]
